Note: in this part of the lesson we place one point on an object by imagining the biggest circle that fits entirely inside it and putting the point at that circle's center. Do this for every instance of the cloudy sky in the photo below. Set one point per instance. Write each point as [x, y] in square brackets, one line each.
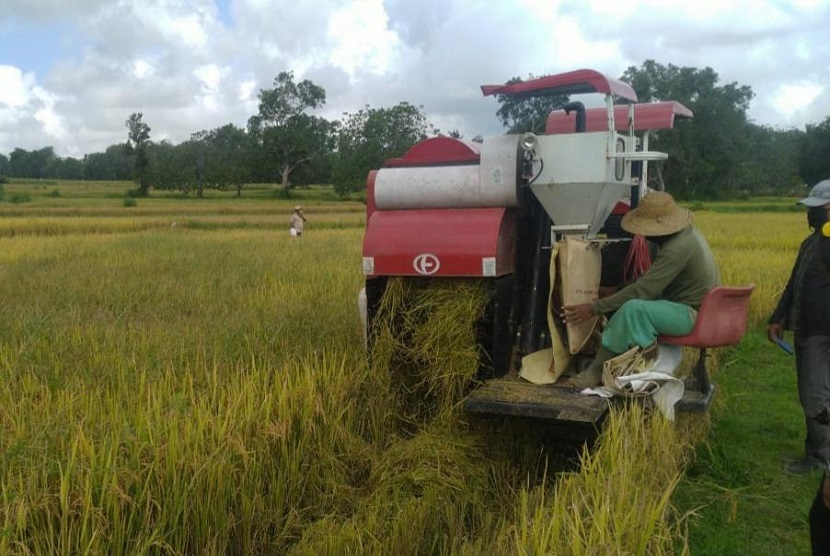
[72, 71]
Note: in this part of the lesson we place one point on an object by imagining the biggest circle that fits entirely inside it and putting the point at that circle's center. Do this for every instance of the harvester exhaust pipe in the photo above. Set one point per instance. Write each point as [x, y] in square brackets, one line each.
[580, 114]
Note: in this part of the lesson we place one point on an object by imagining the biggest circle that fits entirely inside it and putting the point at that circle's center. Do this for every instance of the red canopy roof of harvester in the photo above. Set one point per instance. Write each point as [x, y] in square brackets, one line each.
[570, 83]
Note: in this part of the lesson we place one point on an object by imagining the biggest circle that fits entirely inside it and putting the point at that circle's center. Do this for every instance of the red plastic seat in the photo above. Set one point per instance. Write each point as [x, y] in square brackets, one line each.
[721, 320]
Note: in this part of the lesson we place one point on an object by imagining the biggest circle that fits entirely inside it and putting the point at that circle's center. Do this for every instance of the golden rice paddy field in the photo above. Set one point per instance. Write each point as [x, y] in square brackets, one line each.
[203, 389]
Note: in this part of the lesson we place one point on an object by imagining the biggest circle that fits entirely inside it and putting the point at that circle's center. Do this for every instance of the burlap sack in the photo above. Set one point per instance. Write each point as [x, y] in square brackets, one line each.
[634, 361]
[547, 365]
[580, 270]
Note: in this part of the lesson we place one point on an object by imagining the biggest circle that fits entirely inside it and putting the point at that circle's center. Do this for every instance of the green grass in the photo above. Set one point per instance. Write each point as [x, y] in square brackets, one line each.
[742, 501]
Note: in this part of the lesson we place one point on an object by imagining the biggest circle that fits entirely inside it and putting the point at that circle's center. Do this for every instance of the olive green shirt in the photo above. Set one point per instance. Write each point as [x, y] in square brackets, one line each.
[683, 271]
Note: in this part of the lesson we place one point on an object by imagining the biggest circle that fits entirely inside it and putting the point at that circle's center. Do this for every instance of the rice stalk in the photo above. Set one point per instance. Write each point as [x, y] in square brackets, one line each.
[619, 502]
[427, 494]
[424, 337]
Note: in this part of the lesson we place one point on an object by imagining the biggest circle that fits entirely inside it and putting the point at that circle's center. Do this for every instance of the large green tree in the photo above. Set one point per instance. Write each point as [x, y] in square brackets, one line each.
[771, 164]
[31, 164]
[286, 136]
[67, 168]
[172, 167]
[222, 158]
[707, 158]
[370, 136]
[814, 158]
[138, 138]
[113, 164]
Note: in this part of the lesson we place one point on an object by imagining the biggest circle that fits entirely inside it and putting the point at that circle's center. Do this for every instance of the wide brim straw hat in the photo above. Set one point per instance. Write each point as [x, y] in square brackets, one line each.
[298, 207]
[656, 215]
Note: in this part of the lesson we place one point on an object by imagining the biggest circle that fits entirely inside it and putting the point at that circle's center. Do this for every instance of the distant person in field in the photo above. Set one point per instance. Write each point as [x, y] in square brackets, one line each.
[804, 308]
[665, 298]
[297, 221]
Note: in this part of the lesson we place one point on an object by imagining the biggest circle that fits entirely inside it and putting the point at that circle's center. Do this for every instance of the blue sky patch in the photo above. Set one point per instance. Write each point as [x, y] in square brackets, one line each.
[224, 7]
[35, 47]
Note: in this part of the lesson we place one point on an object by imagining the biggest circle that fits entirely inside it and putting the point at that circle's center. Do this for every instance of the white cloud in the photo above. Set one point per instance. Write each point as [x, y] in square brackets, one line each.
[189, 29]
[28, 113]
[246, 90]
[50, 119]
[361, 37]
[567, 37]
[15, 87]
[210, 75]
[798, 94]
[187, 70]
[142, 69]
[792, 100]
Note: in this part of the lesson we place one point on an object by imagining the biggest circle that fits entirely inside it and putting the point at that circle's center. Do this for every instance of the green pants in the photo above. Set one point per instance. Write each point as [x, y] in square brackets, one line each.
[638, 322]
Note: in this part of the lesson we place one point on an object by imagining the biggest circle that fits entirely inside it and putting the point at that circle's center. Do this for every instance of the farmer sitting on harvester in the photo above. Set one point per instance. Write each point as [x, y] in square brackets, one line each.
[663, 300]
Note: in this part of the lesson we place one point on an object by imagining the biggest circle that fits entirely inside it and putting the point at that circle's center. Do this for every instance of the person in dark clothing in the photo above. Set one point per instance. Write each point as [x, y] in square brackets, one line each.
[820, 518]
[804, 308]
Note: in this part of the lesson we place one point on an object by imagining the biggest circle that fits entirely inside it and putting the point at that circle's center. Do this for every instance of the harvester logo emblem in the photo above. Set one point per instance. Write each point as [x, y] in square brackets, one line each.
[426, 264]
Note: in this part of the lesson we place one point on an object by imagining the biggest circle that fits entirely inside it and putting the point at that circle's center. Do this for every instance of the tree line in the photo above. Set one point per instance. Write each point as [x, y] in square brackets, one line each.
[719, 154]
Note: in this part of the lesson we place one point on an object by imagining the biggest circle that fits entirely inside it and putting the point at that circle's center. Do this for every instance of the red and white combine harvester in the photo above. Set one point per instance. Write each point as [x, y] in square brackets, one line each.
[492, 211]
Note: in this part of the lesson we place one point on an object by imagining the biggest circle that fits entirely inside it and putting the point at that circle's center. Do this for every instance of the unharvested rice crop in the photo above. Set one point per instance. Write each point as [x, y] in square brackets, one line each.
[205, 390]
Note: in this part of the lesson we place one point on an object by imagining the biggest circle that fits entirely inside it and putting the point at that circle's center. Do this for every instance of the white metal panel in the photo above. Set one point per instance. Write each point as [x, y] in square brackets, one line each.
[492, 183]
[427, 187]
[500, 171]
[573, 158]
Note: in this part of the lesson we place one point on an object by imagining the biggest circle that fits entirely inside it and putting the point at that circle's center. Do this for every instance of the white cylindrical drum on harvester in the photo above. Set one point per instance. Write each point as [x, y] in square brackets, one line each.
[492, 183]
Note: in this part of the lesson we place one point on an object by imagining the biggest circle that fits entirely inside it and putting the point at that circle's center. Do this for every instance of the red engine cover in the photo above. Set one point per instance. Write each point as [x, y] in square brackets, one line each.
[438, 150]
[440, 242]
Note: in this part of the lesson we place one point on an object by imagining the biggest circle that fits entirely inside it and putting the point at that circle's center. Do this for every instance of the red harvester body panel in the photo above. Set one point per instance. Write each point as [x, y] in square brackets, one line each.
[657, 115]
[439, 242]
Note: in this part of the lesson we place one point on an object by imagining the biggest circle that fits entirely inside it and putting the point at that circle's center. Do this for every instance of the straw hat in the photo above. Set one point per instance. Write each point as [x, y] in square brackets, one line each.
[298, 207]
[656, 215]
